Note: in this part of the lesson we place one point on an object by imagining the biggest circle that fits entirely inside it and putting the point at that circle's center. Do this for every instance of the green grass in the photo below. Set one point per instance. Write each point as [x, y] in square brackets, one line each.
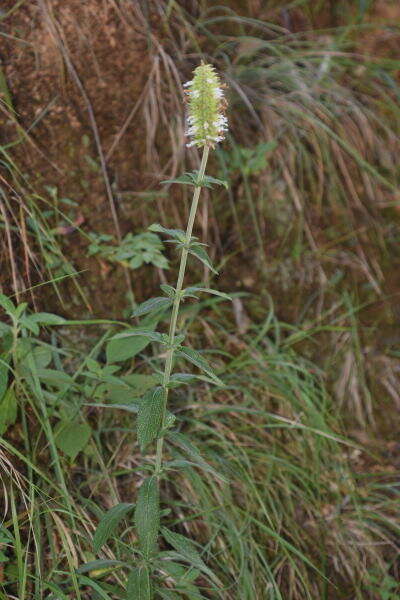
[303, 429]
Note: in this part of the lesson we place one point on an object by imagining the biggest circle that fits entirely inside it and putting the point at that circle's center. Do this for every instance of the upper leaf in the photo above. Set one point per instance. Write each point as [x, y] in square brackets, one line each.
[208, 181]
[178, 234]
[192, 178]
[197, 359]
[193, 289]
[152, 336]
[199, 252]
[151, 305]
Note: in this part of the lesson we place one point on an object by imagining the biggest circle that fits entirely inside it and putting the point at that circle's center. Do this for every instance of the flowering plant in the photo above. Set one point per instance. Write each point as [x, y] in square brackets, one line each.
[152, 571]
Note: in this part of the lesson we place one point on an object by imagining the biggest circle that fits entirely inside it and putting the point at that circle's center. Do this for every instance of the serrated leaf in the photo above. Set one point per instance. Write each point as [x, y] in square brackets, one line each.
[201, 254]
[191, 289]
[168, 290]
[187, 550]
[178, 234]
[147, 515]
[151, 305]
[150, 416]
[109, 522]
[72, 437]
[177, 379]
[199, 361]
[169, 420]
[139, 584]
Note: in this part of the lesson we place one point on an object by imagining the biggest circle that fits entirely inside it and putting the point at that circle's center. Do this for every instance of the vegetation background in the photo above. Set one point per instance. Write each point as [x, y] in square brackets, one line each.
[307, 241]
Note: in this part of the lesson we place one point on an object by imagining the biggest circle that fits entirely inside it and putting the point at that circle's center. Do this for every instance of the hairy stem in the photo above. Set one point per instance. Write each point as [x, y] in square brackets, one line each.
[177, 301]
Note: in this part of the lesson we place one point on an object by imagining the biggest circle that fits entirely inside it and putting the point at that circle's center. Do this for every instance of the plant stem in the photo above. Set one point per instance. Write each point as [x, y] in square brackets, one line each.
[177, 301]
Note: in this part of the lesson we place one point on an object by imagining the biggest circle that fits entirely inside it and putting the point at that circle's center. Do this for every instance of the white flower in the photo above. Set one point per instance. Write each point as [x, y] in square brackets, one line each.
[206, 121]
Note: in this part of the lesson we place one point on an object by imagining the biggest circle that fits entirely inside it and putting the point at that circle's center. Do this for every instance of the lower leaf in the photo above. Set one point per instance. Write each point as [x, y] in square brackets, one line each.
[139, 584]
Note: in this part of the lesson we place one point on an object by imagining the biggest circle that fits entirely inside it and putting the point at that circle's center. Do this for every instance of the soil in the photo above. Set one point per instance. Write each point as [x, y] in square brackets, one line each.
[110, 62]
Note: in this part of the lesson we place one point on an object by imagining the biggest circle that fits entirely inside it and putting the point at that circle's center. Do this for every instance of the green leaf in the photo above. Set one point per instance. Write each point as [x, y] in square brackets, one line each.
[109, 522]
[152, 336]
[192, 178]
[47, 319]
[86, 581]
[3, 375]
[180, 573]
[168, 594]
[128, 344]
[8, 410]
[199, 361]
[195, 289]
[139, 584]
[131, 387]
[185, 179]
[178, 234]
[42, 356]
[72, 437]
[207, 181]
[151, 305]
[186, 549]
[54, 378]
[150, 417]
[201, 254]
[100, 565]
[177, 379]
[30, 325]
[7, 304]
[168, 290]
[147, 515]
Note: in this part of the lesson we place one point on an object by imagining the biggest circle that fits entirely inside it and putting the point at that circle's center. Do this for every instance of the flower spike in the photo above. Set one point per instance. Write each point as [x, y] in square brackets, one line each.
[206, 120]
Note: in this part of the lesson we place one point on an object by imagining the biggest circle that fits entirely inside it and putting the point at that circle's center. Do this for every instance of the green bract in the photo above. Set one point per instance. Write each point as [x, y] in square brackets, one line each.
[206, 120]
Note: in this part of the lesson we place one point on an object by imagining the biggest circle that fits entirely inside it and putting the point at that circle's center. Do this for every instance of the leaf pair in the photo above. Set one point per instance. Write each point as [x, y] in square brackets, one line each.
[192, 178]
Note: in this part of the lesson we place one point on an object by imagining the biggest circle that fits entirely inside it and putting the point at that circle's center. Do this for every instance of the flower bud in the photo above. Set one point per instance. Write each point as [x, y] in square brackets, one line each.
[206, 103]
